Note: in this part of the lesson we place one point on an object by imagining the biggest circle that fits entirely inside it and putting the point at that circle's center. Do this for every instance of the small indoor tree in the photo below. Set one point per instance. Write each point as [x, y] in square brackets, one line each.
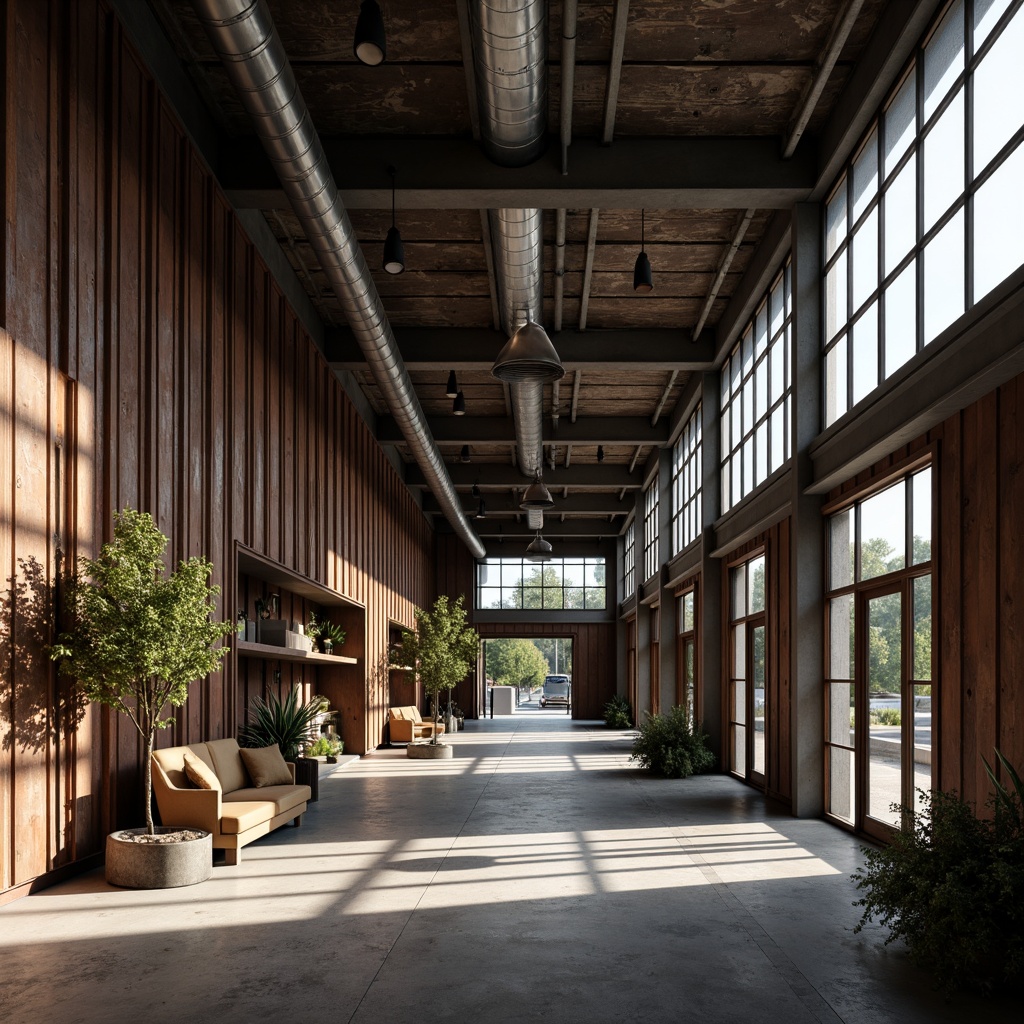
[140, 637]
[441, 648]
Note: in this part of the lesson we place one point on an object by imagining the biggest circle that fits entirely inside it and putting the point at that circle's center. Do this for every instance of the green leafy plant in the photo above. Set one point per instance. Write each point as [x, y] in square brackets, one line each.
[617, 713]
[441, 648]
[286, 723]
[885, 716]
[667, 745]
[332, 632]
[140, 637]
[324, 746]
[951, 885]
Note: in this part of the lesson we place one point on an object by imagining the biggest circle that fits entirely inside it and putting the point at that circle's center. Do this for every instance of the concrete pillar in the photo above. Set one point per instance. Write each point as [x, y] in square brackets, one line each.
[806, 544]
[709, 639]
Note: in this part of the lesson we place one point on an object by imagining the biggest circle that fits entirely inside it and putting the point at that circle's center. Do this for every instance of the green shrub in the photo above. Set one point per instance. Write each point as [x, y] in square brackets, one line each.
[951, 886]
[617, 713]
[323, 746]
[885, 716]
[668, 746]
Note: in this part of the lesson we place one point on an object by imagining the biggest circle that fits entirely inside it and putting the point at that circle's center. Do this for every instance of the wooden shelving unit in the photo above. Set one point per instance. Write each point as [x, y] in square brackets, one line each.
[271, 652]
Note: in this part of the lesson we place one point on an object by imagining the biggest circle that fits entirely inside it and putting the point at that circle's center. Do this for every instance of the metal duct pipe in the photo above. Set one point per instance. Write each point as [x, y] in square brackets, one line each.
[510, 53]
[244, 37]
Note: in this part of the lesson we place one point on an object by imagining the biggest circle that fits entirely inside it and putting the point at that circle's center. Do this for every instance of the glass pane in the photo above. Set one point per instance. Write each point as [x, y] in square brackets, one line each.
[865, 354]
[761, 444]
[688, 661]
[943, 58]
[836, 382]
[944, 278]
[739, 701]
[739, 652]
[922, 742]
[900, 124]
[778, 308]
[748, 466]
[778, 438]
[923, 627]
[944, 162]
[901, 319]
[865, 176]
[999, 94]
[865, 259]
[986, 14]
[884, 635]
[755, 575]
[761, 388]
[841, 783]
[490, 597]
[747, 348]
[594, 598]
[573, 574]
[761, 330]
[760, 699]
[840, 713]
[883, 527]
[901, 215]
[835, 221]
[999, 223]
[922, 484]
[777, 361]
[574, 597]
[511, 574]
[739, 750]
[835, 298]
[553, 597]
[841, 637]
[840, 549]
[688, 619]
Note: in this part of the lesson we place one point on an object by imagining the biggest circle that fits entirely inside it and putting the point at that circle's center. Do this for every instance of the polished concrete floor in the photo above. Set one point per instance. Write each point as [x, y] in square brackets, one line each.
[536, 876]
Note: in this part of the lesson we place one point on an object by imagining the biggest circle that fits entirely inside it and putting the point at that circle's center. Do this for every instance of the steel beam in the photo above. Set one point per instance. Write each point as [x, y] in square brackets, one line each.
[499, 504]
[552, 528]
[497, 429]
[490, 476]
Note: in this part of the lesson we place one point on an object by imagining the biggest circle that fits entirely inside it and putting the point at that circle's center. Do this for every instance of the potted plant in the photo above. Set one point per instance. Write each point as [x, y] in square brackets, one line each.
[332, 636]
[139, 639]
[441, 649]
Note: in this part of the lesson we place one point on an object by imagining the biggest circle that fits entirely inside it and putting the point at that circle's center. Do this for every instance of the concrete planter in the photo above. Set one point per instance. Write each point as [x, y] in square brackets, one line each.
[429, 751]
[158, 865]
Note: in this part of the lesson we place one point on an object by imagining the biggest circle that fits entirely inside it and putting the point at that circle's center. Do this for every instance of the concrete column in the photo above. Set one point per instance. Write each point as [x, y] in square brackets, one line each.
[709, 640]
[806, 544]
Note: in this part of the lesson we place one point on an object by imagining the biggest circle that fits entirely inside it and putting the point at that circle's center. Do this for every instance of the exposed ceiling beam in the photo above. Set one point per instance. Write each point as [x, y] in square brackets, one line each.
[443, 349]
[492, 280]
[723, 268]
[588, 267]
[499, 429]
[498, 475]
[577, 376]
[506, 504]
[611, 95]
[664, 396]
[552, 528]
[449, 174]
[469, 66]
[559, 267]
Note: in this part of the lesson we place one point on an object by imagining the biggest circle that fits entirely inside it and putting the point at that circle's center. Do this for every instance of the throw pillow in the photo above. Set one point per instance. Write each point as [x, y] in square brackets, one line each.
[266, 766]
[199, 773]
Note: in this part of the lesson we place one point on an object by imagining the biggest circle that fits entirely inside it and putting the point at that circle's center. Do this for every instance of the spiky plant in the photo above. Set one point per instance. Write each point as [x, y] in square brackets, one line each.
[286, 723]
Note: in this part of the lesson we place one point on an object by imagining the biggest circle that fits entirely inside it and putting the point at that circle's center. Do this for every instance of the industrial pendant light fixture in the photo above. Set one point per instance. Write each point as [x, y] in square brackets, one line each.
[476, 490]
[459, 405]
[537, 496]
[538, 550]
[394, 251]
[370, 46]
[600, 453]
[528, 356]
[453, 385]
[464, 454]
[481, 510]
[643, 280]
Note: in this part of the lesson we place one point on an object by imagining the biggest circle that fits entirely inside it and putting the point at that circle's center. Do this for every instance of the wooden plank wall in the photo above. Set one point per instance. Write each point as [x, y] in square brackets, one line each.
[147, 358]
[978, 603]
[778, 680]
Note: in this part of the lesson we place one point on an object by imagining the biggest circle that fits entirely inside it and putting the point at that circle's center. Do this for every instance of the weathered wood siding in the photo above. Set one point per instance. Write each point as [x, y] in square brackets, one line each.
[147, 358]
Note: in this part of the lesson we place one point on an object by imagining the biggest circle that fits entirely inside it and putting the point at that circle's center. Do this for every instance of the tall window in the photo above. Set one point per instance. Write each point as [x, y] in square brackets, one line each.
[748, 693]
[651, 564]
[928, 216]
[755, 396]
[686, 653]
[879, 654]
[629, 561]
[686, 485]
[560, 584]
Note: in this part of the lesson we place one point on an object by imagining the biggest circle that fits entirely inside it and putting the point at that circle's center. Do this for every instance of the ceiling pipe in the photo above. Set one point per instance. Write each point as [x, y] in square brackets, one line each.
[243, 35]
[509, 39]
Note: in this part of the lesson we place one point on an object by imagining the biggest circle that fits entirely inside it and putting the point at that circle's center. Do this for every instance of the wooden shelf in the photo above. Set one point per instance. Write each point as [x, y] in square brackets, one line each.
[271, 652]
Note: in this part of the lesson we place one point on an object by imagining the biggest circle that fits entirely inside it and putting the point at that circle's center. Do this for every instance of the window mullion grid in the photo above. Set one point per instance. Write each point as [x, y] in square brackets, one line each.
[918, 145]
[968, 198]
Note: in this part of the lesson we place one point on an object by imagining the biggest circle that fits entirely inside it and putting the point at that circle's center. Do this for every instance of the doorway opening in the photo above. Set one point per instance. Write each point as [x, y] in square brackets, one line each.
[528, 675]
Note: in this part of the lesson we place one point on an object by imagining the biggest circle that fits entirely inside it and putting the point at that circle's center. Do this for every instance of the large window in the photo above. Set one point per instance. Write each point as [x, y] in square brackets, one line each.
[651, 564]
[879, 654]
[686, 485]
[629, 561]
[929, 215]
[755, 396]
[686, 653]
[748, 692]
[561, 584]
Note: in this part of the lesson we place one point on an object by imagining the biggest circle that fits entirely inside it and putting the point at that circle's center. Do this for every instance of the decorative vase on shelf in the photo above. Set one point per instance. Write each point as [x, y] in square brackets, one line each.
[328, 645]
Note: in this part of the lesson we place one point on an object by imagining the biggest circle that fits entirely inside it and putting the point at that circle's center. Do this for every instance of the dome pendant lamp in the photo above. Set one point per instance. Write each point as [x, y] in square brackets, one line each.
[643, 280]
[537, 496]
[452, 389]
[394, 251]
[370, 46]
[538, 550]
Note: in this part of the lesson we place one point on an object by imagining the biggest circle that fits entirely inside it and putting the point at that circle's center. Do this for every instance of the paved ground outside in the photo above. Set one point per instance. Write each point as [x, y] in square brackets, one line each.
[536, 876]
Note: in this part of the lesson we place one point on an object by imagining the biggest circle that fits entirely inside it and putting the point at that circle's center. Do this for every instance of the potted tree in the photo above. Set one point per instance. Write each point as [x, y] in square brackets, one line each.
[441, 649]
[139, 638]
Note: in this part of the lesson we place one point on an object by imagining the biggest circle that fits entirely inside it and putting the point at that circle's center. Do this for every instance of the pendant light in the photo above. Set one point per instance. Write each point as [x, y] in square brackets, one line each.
[537, 496]
[453, 385]
[464, 454]
[394, 251]
[476, 490]
[481, 510]
[643, 280]
[600, 453]
[538, 550]
[459, 405]
[528, 356]
[370, 46]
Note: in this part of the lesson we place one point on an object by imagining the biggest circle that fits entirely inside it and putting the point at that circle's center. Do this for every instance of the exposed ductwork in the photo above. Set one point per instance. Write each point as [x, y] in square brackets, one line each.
[244, 37]
[509, 52]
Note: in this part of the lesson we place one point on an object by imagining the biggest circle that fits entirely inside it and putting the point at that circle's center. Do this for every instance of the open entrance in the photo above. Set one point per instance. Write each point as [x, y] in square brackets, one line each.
[528, 675]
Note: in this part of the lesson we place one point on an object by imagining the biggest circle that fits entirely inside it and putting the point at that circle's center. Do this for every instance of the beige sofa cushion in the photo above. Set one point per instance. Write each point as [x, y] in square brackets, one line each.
[199, 773]
[266, 766]
[246, 808]
[227, 763]
[172, 760]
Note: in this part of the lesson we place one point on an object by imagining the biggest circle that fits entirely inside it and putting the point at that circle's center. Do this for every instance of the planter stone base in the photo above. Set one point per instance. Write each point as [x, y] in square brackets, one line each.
[429, 751]
[158, 865]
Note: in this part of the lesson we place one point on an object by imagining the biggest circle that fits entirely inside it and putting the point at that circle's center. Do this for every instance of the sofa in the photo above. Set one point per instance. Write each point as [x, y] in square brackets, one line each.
[234, 811]
[407, 725]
